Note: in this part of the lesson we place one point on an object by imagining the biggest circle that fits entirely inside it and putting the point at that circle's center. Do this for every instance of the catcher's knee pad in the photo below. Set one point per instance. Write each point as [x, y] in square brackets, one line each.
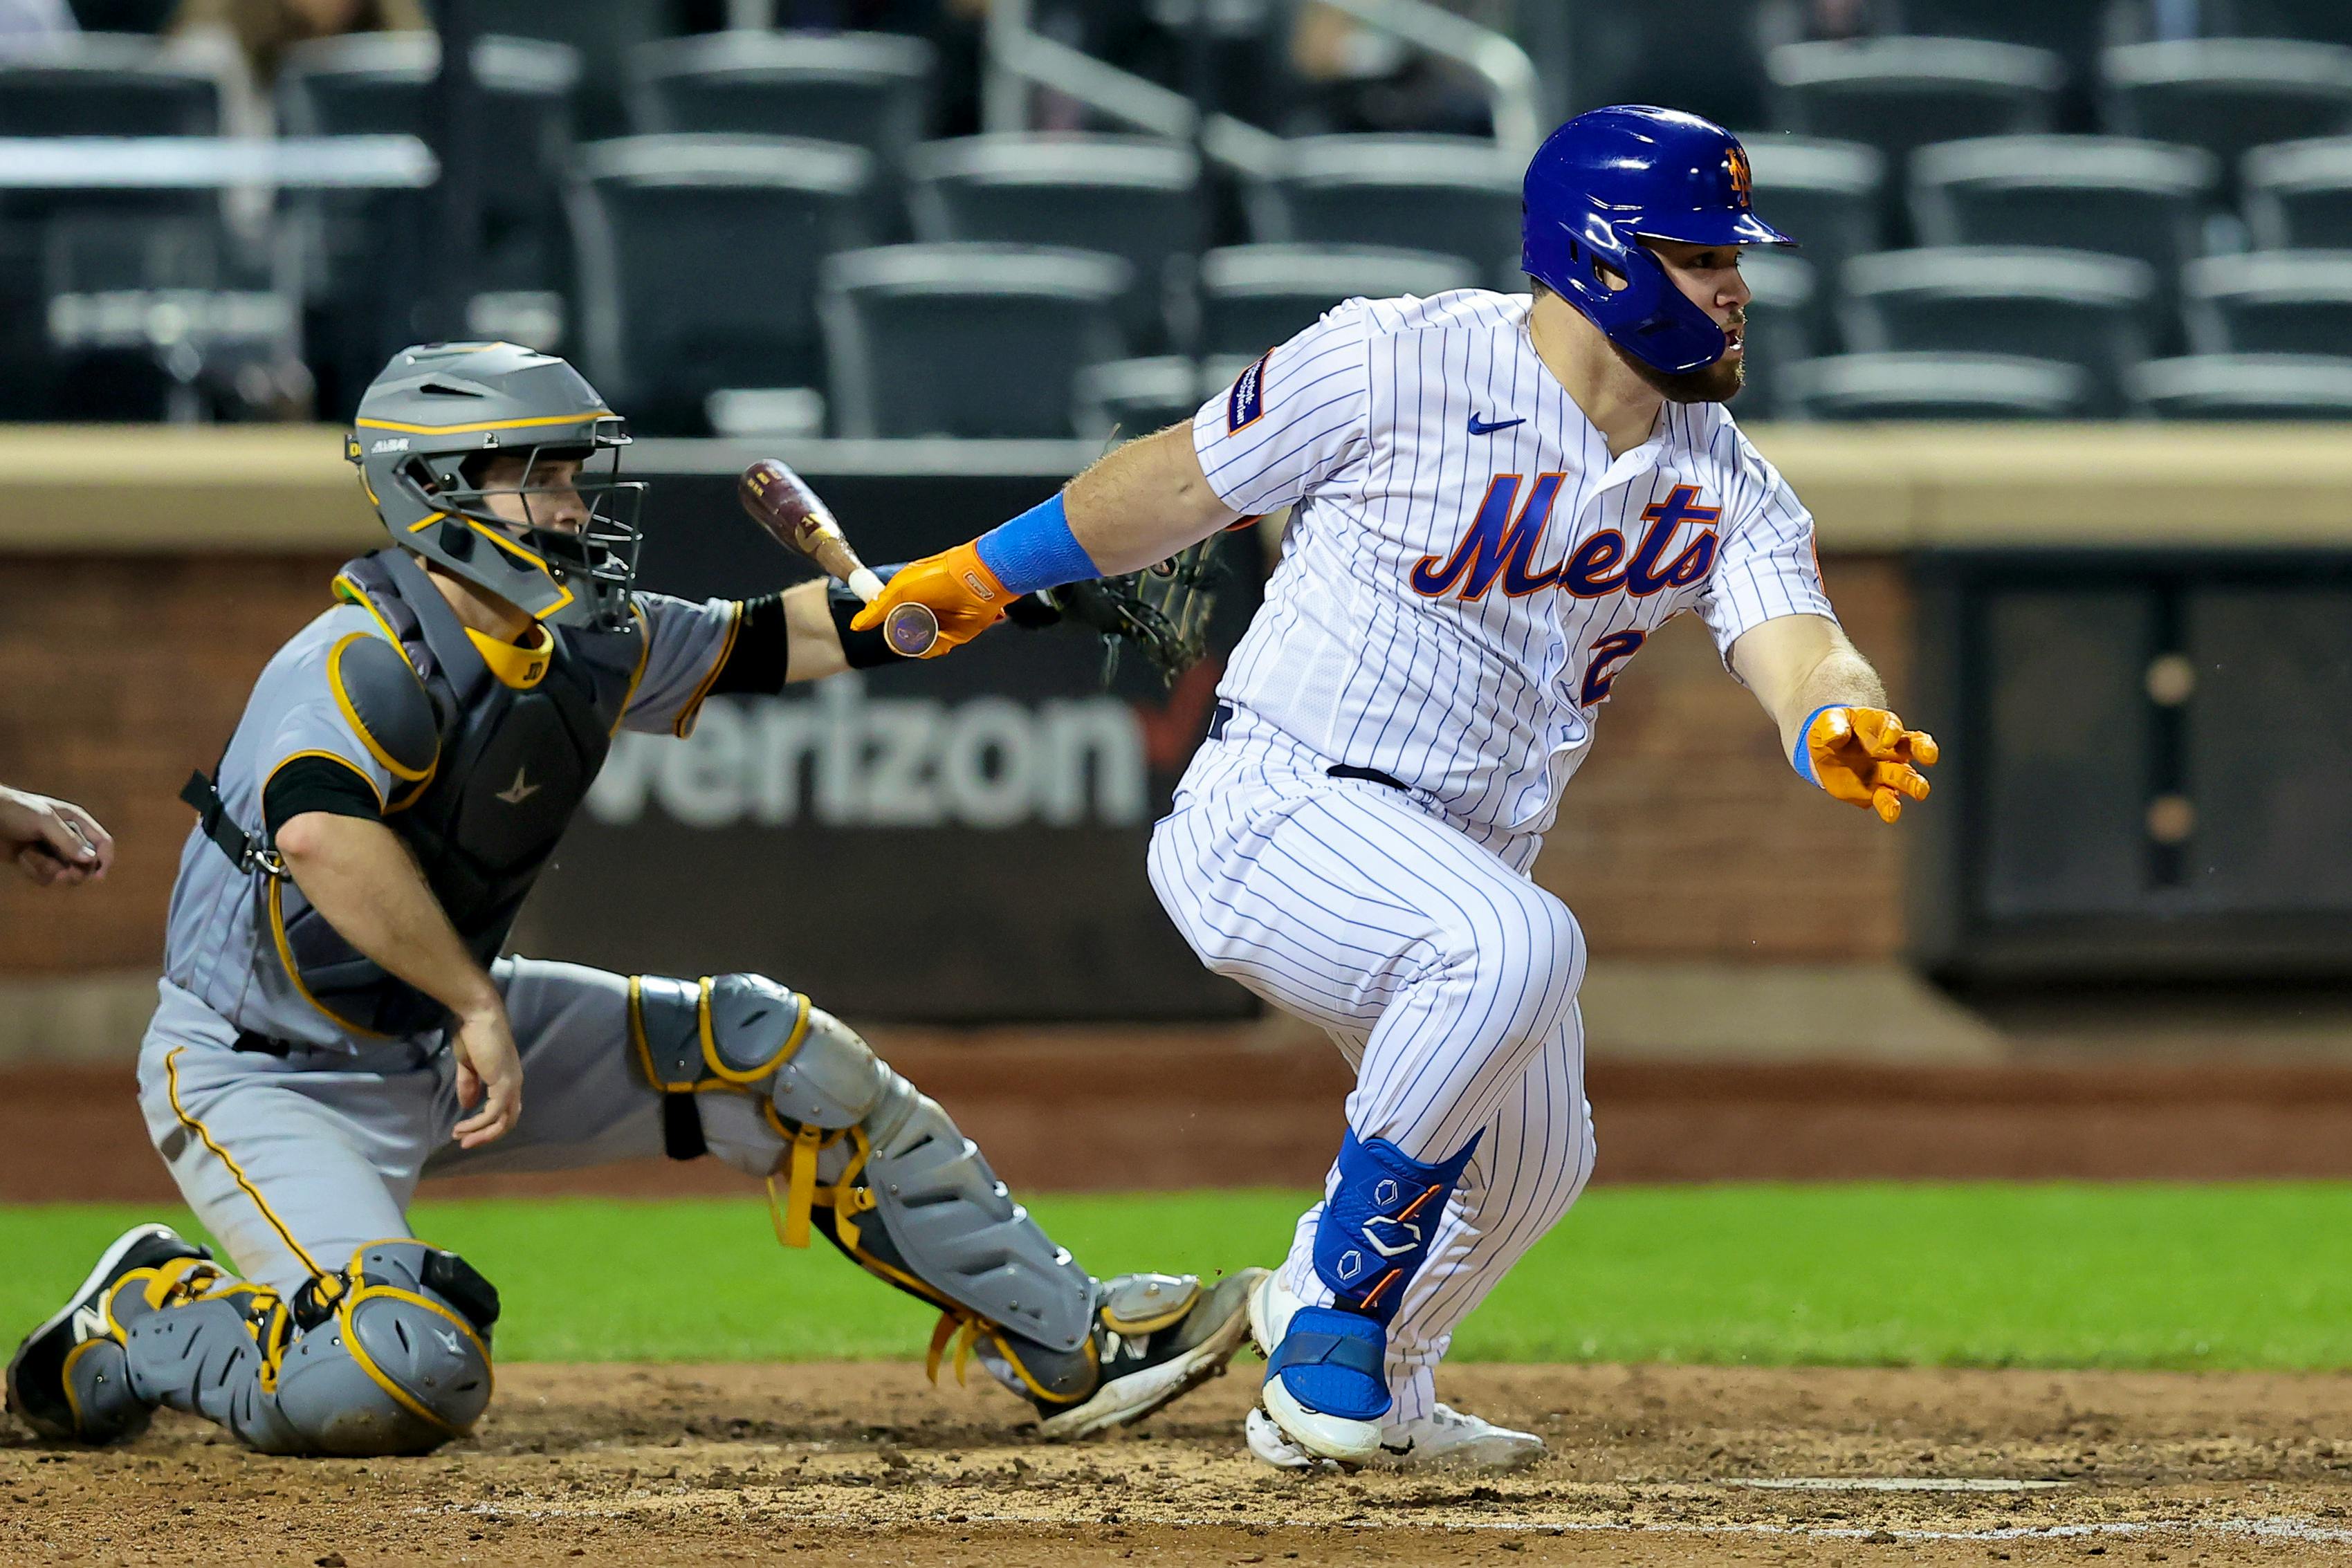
[389, 1356]
[727, 1032]
[1379, 1220]
[394, 1357]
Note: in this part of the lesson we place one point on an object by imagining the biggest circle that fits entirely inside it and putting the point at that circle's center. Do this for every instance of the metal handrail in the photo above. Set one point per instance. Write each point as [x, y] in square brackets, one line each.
[1513, 93]
[1020, 57]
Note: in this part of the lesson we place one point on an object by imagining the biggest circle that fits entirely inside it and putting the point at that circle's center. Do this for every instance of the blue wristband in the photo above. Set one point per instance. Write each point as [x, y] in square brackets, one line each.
[1804, 760]
[1036, 549]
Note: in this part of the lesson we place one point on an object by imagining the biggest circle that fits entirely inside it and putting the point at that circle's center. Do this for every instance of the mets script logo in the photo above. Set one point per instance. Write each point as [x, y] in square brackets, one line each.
[1499, 544]
[1742, 181]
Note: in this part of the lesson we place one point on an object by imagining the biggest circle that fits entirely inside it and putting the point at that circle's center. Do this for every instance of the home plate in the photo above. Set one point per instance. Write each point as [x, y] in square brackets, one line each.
[1890, 1483]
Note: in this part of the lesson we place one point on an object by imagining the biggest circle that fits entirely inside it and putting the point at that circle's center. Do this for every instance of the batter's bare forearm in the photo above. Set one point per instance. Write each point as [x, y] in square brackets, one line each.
[1798, 664]
[361, 878]
[1143, 502]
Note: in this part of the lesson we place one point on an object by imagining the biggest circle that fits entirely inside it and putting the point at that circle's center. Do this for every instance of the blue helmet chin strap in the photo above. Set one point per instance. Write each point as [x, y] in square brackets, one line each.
[1650, 318]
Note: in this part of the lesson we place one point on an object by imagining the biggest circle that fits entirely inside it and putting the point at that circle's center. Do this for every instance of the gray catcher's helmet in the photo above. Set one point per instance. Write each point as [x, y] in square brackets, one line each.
[438, 405]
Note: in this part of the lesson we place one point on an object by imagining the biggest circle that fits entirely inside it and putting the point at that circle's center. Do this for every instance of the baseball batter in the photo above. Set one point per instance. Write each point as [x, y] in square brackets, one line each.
[1495, 499]
[336, 1020]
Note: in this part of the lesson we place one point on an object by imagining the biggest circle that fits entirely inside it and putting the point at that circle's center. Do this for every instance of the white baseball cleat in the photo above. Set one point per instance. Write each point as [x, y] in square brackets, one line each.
[1449, 1437]
[1283, 1424]
[1443, 1437]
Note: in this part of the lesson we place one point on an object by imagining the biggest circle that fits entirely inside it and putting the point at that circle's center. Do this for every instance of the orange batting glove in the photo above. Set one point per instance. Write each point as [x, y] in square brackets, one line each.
[958, 587]
[1865, 757]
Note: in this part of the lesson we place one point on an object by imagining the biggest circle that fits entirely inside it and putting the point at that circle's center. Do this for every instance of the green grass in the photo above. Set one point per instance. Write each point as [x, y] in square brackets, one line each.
[1957, 1274]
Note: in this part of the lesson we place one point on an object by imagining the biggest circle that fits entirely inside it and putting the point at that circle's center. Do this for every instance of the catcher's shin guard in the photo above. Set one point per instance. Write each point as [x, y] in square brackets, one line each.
[871, 1162]
[389, 1356]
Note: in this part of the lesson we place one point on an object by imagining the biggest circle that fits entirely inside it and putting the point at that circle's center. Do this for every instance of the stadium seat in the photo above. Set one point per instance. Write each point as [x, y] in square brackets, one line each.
[2246, 386]
[1136, 197]
[1781, 322]
[1256, 296]
[1936, 386]
[1448, 193]
[2272, 302]
[965, 340]
[2319, 21]
[602, 33]
[2300, 194]
[1895, 94]
[373, 83]
[2228, 95]
[1829, 196]
[1135, 397]
[865, 89]
[2072, 29]
[698, 260]
[2071, 305]
[101, 86]
[2122, 197]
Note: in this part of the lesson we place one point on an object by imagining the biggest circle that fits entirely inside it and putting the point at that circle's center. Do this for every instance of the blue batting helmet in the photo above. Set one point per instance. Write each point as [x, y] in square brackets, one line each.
[1611, 177]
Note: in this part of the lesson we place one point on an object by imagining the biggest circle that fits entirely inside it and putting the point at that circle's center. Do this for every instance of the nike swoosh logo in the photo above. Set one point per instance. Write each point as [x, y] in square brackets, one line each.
[1480, 427]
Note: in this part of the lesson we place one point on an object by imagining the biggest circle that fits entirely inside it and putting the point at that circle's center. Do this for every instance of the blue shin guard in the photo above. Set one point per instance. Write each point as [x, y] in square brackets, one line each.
[1372, 1238]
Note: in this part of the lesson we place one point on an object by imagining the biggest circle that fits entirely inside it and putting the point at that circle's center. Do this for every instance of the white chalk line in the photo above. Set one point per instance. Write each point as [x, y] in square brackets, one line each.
[1887, 1483]
[2295, 1530]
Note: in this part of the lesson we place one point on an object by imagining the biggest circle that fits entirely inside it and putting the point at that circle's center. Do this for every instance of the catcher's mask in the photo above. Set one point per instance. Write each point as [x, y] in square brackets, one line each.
[428, 431]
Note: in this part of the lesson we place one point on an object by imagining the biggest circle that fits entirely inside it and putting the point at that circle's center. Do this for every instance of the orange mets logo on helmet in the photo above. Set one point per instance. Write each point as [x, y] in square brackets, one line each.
[1742, 182]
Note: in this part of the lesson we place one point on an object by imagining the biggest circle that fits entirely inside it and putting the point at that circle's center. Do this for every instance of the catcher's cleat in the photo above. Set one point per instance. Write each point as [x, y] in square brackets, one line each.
[67, 1380]
[1155, 1338]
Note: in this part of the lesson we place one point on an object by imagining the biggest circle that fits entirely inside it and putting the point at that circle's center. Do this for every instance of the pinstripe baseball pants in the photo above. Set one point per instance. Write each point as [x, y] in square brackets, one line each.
[1446, 977]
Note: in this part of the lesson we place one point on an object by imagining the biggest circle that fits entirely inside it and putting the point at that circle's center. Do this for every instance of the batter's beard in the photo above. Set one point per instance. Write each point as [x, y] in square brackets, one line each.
[1719, 382]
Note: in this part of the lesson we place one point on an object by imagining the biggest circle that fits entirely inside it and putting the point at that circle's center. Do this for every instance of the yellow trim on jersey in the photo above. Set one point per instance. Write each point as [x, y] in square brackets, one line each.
[516, 665]
[171, 1088]
[683, 726]
[331, 757]
[294, 972]
[544, 419]
[645, 651]
[391, 764]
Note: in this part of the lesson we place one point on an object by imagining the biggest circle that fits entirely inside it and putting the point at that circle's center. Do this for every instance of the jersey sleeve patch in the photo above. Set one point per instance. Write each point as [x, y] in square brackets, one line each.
[1245, 404]
[385, 705]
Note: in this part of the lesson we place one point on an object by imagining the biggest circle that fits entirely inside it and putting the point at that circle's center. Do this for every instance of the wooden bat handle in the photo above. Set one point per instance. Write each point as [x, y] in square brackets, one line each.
[780, 502]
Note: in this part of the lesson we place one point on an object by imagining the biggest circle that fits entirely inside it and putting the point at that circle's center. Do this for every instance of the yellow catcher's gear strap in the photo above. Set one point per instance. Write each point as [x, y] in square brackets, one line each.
[791, 1215]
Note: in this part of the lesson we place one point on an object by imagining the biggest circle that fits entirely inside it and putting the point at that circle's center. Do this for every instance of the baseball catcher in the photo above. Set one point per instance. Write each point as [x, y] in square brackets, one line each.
[336, 1021]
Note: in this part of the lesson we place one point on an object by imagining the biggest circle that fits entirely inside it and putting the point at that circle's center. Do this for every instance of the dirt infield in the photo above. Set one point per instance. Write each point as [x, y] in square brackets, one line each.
[867, 1465]
[1138, 1109]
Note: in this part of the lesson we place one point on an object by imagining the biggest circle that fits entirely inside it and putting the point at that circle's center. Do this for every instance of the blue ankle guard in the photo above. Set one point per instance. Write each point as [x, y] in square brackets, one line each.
[1334, 1363]
[1377, 1222]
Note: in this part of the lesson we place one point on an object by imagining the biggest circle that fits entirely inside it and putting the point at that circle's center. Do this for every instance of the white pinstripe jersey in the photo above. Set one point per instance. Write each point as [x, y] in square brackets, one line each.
[1467, 569]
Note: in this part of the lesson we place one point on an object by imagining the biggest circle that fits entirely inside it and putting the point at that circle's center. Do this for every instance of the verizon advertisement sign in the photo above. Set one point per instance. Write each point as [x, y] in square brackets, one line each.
[958, 840]
[843, 757]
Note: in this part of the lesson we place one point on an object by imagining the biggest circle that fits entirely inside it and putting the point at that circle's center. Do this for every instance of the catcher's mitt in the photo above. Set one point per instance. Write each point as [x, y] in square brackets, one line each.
[1162, 611]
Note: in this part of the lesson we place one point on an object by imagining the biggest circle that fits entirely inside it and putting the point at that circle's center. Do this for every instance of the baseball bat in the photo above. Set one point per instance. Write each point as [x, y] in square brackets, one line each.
[780, 502]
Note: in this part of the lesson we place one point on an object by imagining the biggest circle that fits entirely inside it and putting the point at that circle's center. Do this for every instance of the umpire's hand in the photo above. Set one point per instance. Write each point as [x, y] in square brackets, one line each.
[54, 843]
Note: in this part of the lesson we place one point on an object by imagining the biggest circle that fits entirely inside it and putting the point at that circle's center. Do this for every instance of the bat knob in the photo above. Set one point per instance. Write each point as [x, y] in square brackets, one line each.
[910, 630]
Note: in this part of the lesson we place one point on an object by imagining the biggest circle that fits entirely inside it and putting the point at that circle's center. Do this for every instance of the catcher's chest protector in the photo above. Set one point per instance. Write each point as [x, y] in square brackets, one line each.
[515, 764]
